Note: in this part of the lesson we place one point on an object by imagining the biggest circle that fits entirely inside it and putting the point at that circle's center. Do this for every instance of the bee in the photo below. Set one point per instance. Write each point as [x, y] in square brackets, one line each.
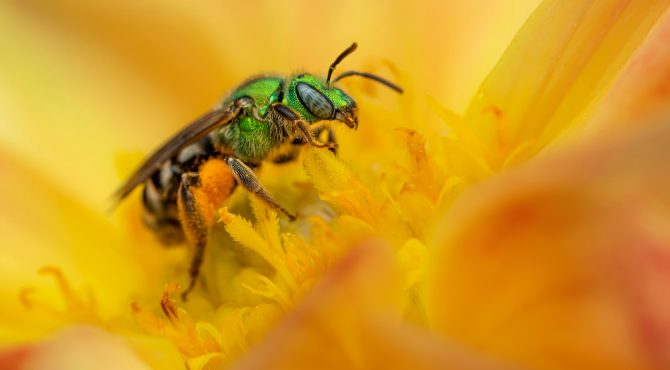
[265, 118]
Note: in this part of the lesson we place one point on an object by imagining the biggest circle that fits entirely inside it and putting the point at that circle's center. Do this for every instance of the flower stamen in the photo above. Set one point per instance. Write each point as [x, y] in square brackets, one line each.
[192, 339]
[76, 309]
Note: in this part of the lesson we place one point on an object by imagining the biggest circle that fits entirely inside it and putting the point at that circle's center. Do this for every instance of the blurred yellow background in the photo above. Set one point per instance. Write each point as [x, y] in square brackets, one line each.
[88, 88]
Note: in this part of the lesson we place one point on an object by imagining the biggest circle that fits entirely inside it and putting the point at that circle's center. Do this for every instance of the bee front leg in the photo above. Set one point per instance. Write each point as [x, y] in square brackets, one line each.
[193, 223]
[245, 176]
[332, 140]
[312, 140]
[290, 116]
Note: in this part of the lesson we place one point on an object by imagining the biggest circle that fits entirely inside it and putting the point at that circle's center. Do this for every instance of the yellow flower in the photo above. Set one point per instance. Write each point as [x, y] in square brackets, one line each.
[395, 262]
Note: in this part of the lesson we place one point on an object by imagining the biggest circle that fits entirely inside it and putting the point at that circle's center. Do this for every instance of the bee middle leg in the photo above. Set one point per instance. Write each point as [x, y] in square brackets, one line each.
[245, 176]
[288, 156]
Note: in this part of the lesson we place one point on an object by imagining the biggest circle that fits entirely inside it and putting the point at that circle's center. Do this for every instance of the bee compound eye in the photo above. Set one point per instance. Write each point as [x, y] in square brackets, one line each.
[315, 102]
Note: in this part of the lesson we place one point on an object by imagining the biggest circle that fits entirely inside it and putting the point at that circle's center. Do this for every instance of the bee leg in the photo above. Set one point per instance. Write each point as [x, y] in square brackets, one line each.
[332, 140]
[310, 136]
[198, 199]
[246, 177]
[311, 139]
[194, 224]
[286, 157]
[299, 141]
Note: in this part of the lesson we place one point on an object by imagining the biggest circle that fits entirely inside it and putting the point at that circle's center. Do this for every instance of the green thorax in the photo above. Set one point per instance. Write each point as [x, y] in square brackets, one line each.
[252, 140]
[263, 90]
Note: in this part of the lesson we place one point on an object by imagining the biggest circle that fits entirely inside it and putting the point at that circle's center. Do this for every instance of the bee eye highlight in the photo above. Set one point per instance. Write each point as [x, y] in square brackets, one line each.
[315, 102]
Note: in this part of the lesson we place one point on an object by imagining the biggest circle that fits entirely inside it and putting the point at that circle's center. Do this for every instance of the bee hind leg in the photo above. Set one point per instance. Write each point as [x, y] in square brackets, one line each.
[198, 199]
[245, 176]
[194, 224]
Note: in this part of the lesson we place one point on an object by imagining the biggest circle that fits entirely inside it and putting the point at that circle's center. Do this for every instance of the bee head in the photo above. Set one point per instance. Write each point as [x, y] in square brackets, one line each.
[319, 100]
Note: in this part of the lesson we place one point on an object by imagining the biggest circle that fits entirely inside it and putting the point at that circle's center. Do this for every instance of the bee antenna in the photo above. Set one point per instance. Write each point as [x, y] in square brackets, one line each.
[371, 76]
[339, 58]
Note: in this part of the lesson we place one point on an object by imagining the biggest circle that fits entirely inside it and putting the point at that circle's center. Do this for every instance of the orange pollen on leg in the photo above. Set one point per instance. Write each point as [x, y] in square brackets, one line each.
[216, 186]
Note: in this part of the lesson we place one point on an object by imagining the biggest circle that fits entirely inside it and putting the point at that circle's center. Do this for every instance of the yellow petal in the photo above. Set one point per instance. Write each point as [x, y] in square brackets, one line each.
[338, 185]
[394, 345]
[79, 347]
[347, 322]
[321, 332]
[41, 225]
[563, 263]
[560, 63]
[644, 86]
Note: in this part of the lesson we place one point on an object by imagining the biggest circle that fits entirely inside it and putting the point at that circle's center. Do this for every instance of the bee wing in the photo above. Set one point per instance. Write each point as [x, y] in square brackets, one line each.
[190, 134]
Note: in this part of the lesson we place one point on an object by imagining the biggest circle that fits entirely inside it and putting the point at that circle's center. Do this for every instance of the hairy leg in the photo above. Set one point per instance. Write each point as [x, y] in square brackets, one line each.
[245, 176]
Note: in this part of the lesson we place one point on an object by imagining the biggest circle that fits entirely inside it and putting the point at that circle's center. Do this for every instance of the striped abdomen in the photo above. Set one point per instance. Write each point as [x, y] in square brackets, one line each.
[160, 190]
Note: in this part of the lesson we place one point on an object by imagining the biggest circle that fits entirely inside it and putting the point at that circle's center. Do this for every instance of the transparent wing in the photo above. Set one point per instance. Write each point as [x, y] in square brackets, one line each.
[190, 134]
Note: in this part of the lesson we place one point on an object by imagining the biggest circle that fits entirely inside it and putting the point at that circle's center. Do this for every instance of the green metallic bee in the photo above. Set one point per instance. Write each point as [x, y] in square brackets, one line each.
[265, 118]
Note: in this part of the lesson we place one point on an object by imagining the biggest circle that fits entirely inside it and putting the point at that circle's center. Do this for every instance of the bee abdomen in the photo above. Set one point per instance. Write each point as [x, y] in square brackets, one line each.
[160, 191]
[168, 230]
